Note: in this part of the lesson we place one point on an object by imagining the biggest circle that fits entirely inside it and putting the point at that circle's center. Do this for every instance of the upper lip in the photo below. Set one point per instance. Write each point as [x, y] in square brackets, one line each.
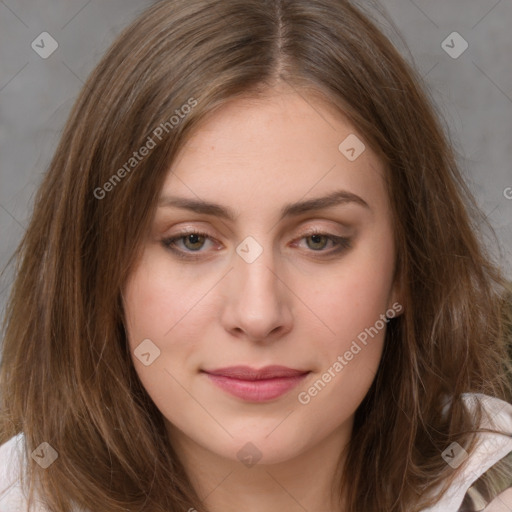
[248, 373]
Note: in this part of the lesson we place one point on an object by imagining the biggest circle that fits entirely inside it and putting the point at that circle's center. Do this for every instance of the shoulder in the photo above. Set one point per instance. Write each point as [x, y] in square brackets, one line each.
[11, 454]
[12, 465]
[489, 450]
[11, 457]
[13, 495]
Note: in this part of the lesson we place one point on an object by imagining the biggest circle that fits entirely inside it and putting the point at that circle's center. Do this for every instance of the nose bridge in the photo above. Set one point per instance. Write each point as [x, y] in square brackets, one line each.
[256, 268]
[258, 305]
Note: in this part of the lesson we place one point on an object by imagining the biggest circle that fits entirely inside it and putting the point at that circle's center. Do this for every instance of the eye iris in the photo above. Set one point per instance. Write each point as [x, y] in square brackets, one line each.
[316, 239]
[193, 238]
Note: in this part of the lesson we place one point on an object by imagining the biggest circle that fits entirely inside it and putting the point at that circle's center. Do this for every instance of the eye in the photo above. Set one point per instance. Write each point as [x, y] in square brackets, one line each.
[194, 241]
[319, 240]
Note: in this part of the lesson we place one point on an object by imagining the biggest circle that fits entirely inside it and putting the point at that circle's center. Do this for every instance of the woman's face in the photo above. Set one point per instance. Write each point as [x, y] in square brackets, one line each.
[258, 288]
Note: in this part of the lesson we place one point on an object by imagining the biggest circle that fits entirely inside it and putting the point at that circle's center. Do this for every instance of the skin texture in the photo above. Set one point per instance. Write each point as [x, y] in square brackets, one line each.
[295, 305]
[502, 503]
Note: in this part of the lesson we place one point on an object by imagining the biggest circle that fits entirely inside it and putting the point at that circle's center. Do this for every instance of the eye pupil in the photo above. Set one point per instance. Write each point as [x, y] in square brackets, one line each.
[317, 239]
[193, 238]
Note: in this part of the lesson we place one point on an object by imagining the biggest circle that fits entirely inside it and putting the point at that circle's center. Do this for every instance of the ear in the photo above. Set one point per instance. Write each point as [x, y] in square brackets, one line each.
[396, 302]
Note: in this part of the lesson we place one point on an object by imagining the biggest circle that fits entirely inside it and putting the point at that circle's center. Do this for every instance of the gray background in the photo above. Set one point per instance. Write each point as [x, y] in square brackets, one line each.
[473, 92]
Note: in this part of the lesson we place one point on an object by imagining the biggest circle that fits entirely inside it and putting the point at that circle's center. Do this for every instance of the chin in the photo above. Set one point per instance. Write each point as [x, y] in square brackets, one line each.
[263, 449]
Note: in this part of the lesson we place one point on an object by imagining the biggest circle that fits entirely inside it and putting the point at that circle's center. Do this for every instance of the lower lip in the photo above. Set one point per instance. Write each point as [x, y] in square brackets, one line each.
[257, 390]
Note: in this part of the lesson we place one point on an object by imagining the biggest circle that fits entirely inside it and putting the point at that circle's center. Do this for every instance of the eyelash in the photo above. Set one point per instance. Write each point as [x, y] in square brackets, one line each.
[340, 242]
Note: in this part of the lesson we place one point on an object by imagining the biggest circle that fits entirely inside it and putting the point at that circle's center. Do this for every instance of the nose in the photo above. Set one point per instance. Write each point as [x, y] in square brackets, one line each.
[258, 301]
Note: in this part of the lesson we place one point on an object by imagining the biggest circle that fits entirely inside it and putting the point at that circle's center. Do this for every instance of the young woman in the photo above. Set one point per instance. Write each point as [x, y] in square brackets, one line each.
[252, 282]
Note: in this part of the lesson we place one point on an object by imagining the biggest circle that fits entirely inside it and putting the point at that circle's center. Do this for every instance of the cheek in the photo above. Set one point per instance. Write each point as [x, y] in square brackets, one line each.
[173, 310]
[158, 299]
[354, 307]
[161, 318]
[356, 297]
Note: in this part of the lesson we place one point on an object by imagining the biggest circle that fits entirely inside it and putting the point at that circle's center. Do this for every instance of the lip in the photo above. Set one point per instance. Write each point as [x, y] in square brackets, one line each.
[256, 385]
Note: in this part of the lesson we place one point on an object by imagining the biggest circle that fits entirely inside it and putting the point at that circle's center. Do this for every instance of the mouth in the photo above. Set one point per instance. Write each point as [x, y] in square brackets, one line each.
[256, 385]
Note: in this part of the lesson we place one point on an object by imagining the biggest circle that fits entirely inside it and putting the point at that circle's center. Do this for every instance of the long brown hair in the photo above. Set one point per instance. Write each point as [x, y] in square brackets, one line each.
[66, 374]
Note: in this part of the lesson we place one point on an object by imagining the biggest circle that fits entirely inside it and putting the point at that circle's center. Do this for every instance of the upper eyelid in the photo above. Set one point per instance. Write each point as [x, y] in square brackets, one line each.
[303, 233]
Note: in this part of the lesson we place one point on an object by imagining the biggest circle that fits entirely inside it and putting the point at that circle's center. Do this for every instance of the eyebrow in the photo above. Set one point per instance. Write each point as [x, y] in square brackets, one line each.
[339, 197]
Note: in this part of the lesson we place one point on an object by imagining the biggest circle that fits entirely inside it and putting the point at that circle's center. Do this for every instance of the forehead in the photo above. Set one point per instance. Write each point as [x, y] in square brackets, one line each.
[285, 145]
